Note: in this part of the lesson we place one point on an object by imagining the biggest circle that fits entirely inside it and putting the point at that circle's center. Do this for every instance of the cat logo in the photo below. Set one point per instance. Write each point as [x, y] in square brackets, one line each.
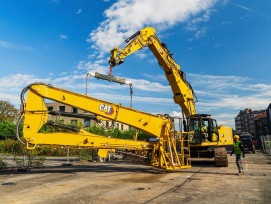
[109, 110]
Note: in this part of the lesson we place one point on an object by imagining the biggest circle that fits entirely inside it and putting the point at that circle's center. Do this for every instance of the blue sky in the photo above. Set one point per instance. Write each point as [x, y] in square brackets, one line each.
[223, 46]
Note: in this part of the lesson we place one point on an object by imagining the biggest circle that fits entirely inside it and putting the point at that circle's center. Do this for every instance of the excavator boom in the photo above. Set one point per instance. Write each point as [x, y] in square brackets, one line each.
[182, 90]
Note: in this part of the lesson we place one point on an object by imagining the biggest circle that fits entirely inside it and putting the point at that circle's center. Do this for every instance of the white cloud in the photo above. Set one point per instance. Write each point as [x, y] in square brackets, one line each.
[160, 77]
[119, 98]
[250, 10]
[146, 85]
[9, 45]
[125, 17]
[223, 106]
[225, 119]
[78, 11]
[193, 24]
[5, 44]
[64, 37]
[242, 7]
[96, 66]
[224, 96]
[12, 85]
[218, 82]
[200, 33]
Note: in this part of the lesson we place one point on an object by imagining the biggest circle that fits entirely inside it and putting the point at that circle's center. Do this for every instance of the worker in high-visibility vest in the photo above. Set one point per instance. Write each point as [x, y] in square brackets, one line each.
[204, 132]
[238, 150]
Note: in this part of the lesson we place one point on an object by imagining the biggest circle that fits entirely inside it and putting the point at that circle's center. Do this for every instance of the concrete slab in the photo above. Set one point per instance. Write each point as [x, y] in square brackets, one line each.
[125, 182]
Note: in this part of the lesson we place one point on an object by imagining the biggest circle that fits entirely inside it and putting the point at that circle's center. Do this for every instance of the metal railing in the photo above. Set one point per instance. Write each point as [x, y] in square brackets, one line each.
[266, 144]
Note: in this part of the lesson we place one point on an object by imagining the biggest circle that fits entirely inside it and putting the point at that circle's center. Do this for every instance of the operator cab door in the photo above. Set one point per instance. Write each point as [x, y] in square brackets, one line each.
[199, 136]
[213, 131]
[194, 126]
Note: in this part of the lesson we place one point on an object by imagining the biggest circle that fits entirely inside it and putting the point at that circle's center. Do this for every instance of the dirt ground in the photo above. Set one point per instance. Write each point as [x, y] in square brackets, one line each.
[126, 182]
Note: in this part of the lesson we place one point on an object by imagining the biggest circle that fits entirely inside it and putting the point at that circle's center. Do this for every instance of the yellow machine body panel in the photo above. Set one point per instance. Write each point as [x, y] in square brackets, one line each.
[225, 135]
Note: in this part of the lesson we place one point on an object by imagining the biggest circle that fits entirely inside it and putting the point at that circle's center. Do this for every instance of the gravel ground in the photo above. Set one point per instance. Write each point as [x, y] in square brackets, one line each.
[126, 182]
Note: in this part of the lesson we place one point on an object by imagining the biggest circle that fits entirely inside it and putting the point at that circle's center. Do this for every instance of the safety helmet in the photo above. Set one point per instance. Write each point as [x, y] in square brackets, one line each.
[235, 137]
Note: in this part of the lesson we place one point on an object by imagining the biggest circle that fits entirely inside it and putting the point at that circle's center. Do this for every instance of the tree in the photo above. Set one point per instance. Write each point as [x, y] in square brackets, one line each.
[7, 111]
[7, 129]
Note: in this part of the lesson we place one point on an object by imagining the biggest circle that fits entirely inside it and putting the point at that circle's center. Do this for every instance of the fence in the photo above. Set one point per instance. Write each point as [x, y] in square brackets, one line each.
[266, 144]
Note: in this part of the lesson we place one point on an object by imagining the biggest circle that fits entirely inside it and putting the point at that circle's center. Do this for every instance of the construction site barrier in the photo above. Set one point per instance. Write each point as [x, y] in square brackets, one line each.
[266, 144]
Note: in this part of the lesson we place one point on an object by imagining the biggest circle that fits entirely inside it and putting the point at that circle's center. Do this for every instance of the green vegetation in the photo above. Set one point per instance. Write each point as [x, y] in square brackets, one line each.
[9, 145]
[116, 133]
[7, 111]
[7, 130]
[3, 164]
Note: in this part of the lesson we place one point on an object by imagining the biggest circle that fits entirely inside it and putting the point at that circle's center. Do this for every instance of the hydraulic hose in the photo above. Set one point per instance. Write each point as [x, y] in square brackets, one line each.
[20, 118]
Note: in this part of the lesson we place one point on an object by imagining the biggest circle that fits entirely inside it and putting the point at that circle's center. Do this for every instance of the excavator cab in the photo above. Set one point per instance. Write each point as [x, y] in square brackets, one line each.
[204, 128]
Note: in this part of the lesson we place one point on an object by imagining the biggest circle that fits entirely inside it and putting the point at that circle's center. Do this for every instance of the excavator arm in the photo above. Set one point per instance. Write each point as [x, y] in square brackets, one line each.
[182, 90]
[35, 115]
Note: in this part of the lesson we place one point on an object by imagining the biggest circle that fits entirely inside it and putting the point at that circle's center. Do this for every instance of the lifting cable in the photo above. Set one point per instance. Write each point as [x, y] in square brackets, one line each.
[131, 94]
[111, 78]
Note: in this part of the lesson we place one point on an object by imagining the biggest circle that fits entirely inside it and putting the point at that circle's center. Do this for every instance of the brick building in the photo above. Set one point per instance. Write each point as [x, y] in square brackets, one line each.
[261, 126]
[244, 121]
[70, 115]
[268, 118]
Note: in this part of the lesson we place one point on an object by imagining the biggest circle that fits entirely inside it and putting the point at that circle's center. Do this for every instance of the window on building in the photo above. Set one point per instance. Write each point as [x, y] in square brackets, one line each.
[50, 108]
[107, 124]
[61, 108]
[74, 122]
[87, 123]
[121, 126]
[74, 110]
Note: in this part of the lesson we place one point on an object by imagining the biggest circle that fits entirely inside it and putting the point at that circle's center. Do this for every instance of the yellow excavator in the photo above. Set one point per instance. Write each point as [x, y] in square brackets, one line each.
[169, 150]
[209, 139]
